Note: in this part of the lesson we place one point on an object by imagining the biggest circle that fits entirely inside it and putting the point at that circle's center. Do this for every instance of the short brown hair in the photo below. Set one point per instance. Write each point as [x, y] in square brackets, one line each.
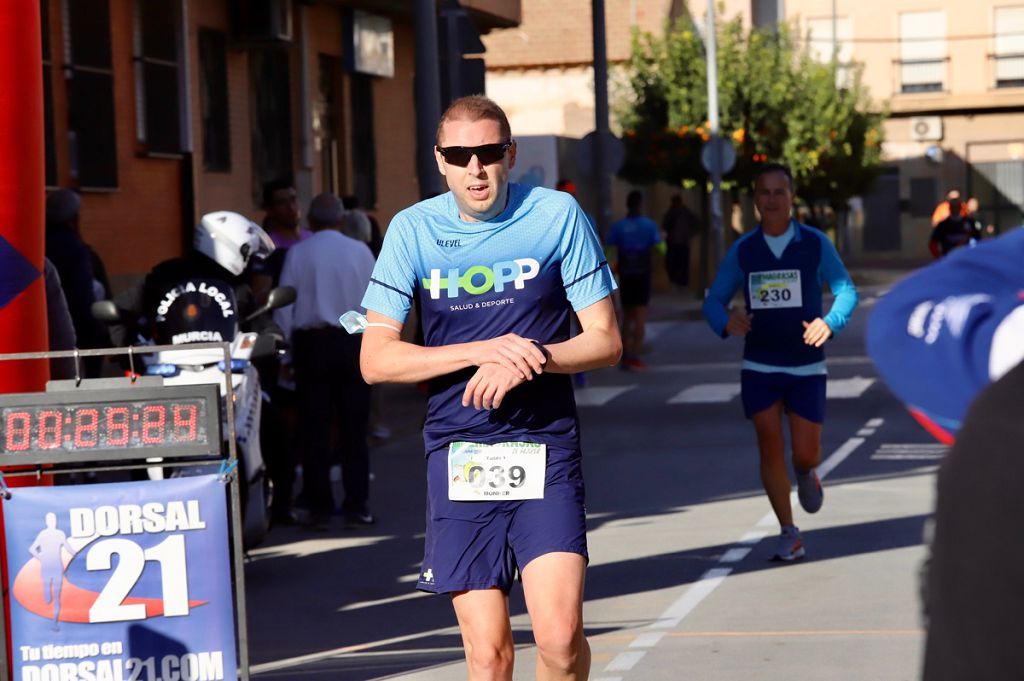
[475, 108]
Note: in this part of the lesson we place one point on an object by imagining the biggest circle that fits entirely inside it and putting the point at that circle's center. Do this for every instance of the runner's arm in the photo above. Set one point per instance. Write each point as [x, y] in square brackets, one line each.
[598, 345]
[386, 358]
[719, 296]
[834, 272]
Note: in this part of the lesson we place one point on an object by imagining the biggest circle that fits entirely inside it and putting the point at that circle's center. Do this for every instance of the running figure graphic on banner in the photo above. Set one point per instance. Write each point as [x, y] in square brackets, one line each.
[47, 550]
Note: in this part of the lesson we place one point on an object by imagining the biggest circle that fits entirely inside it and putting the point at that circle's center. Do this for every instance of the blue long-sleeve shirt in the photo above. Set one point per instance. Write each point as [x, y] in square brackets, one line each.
[782, 279]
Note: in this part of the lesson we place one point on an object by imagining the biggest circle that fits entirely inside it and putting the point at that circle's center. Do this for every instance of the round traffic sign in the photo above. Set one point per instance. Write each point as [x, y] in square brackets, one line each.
[718, 155]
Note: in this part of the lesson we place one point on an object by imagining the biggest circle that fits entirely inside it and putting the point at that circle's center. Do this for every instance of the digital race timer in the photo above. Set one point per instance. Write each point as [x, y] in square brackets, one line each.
[89, 425]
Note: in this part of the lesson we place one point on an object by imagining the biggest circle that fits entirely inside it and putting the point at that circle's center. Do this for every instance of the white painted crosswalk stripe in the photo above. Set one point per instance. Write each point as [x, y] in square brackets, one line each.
[707, 393]
[599, 396]
[847, 388]
[915, 451]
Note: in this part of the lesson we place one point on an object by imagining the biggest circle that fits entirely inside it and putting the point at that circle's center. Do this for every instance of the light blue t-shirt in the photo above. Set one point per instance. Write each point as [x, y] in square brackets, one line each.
[519, 272]
[634, 236]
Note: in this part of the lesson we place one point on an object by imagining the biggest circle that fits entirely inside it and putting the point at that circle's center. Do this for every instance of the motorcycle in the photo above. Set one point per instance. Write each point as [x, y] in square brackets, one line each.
[193, 366]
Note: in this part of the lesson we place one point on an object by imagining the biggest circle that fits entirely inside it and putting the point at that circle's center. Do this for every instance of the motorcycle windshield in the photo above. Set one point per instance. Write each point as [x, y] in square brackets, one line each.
[197, 311]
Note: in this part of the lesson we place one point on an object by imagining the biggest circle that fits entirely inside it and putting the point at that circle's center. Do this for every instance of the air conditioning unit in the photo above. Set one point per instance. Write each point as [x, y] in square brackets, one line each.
[926, 128]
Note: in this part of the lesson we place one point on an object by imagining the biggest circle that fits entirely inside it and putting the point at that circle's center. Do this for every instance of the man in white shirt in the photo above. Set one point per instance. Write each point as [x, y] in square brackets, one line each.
[330, 272]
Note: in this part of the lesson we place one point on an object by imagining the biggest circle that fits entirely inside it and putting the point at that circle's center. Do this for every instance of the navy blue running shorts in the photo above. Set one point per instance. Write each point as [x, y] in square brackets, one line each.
[635, 289]
[474, 545]
[803, 395]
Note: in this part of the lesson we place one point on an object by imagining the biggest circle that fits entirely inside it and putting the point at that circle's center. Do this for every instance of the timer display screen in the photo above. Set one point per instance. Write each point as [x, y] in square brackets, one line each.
[62, 426]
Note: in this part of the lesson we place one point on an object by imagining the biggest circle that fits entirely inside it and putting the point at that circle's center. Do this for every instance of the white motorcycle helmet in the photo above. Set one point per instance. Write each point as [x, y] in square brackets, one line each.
[231, 240]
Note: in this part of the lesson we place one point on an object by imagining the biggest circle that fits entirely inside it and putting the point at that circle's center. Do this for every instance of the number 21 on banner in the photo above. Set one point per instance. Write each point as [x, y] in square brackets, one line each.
[170, 554]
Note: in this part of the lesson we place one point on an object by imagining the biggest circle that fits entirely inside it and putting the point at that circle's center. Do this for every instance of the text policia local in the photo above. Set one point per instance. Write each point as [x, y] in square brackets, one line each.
[154, 518]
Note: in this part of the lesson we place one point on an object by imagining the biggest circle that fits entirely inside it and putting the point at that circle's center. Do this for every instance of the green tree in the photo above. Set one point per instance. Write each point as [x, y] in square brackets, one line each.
[776, 103]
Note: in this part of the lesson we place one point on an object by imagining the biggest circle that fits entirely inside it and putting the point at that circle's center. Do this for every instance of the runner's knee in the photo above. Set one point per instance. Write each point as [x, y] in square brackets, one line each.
[559, 644]
[489, 660]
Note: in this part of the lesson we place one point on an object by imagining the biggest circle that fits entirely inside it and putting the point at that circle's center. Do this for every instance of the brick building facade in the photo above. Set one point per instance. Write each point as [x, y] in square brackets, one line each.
[159, 111]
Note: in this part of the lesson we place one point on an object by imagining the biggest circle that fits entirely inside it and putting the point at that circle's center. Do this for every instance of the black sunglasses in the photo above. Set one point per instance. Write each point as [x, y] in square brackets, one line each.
[485, 153]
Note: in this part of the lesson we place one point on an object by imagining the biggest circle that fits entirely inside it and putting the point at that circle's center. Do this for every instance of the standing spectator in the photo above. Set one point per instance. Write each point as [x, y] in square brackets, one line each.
[782, 266]
[944, 209]
[371, 230]
[60, 327]
[281, 221]
[631, 243]
[956, 231]
[330, 272]
[679, 225]
[73, 260]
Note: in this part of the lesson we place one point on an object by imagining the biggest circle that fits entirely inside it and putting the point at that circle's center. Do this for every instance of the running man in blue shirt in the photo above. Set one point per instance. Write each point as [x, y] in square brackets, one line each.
[632, 240]
[497, 268]
[781, 267]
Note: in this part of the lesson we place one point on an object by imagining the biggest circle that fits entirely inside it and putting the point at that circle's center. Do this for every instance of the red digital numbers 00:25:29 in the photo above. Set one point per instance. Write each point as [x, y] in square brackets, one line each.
[102, 426]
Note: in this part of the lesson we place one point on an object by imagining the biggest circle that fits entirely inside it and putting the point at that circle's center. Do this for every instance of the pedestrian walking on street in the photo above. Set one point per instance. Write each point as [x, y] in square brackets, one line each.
[781, 266]
[497, 268]
[679, 225]
[632, 242]
[329, 272]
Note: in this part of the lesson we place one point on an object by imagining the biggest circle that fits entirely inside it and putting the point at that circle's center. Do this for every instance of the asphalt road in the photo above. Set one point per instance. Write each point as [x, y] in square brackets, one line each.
[679, 584]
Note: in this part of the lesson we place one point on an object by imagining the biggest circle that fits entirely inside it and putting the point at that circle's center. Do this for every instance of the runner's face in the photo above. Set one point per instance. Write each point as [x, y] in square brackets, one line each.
[480, 190]
[773, 199]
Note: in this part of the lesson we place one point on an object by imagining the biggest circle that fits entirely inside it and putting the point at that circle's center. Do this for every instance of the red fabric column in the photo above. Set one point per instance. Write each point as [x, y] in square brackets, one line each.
[22, 196]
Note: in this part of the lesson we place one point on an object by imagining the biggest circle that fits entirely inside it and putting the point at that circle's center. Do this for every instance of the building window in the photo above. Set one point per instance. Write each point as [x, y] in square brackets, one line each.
[922, 64]
[90, 83]
[271, 96]
[1009, 56]
[364, 148]
[213, 100]
[51, 151]
[823, 47]
[157, 28]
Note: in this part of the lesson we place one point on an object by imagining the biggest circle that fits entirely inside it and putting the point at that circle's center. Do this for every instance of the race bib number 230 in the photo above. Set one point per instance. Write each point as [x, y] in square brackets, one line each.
[775, 289]
[505, 471]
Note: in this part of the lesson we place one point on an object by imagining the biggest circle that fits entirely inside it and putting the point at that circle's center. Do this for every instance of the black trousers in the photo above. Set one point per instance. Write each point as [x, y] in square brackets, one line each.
[677, 263]
[331, 392]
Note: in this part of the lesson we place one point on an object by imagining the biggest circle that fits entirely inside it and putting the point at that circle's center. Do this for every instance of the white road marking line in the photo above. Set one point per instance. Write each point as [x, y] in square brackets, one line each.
[839, 456]
[908, 457]
[866, 432]
[875, 423]
[847, 388]
[609, 678]
[599, 396]
[734, 555]
[648, 640]
[697, 592]
[383, 601]
[625, 661]
[707, 393]
[709, 581]
[751, 538]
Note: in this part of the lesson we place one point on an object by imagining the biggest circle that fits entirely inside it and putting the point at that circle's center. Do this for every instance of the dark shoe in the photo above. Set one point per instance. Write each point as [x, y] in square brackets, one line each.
[359, 519]
[283, 518]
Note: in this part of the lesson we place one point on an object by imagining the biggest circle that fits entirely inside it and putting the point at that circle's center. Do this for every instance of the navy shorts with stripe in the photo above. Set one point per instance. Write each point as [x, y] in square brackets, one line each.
[803, 395]
[483, 544]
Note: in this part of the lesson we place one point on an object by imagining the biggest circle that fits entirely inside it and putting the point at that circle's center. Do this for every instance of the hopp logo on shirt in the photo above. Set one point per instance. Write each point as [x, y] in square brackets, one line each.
[481, 279]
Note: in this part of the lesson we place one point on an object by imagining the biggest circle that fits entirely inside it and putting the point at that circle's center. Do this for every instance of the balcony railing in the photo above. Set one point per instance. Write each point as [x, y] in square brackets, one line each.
[921, 75]
[1008, 70]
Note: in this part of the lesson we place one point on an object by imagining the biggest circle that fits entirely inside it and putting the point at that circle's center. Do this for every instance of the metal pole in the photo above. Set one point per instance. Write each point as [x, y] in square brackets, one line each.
[717, 231]
[602, 178]
[428, 97]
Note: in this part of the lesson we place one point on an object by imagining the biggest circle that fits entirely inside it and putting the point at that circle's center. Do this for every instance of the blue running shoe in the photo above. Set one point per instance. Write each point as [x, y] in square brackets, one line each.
[809, 491]
[789, 546]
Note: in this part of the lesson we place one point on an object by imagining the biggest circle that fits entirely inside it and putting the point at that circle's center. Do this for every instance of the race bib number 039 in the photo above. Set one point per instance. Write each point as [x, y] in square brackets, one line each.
[504, 471]
[775, 289]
